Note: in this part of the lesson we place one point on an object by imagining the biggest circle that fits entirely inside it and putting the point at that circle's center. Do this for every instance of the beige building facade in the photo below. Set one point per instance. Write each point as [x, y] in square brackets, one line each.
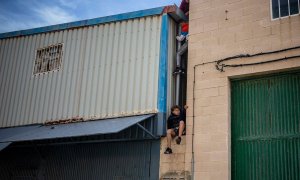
[220, 29]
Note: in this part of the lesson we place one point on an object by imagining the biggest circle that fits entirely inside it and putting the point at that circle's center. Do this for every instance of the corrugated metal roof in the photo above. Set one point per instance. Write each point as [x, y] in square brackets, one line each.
[107, 126]
[173, 10]
[88, 22]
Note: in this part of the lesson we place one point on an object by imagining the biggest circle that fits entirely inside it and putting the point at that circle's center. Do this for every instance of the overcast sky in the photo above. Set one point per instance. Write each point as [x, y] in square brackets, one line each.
[25, 14]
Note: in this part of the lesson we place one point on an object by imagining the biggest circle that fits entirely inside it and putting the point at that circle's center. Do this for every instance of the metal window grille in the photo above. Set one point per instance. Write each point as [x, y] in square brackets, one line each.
[48, 59]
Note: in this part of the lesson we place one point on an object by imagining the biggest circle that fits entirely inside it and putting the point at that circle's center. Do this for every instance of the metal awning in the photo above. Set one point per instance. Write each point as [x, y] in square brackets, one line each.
[4, 145]
[6, 133]
[87, 128]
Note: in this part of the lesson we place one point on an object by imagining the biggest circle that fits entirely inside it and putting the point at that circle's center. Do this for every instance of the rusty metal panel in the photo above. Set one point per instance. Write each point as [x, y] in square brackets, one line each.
[108, 70]
[266, 128]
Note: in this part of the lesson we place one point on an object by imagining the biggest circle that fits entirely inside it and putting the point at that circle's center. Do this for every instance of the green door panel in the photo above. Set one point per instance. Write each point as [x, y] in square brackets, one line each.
[265, 128]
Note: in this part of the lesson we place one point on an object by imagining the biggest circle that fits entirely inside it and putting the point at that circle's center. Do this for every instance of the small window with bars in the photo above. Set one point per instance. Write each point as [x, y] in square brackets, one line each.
[284, 8]
[48, 59]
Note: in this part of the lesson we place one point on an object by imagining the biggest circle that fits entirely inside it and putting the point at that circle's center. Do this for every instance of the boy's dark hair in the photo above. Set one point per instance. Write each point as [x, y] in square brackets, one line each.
[175, 107]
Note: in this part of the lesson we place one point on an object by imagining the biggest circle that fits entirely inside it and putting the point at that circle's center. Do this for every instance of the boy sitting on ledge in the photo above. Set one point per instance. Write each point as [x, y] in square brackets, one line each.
[175, 126]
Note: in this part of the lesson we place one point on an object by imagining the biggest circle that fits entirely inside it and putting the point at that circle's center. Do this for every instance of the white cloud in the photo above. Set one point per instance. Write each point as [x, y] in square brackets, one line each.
[38, 15]
[13, 24]
[54, 15]
[73, 4]
[19, 14]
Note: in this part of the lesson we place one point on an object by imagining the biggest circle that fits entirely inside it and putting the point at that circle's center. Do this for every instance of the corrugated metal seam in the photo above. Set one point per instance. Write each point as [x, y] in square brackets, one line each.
[109, 70]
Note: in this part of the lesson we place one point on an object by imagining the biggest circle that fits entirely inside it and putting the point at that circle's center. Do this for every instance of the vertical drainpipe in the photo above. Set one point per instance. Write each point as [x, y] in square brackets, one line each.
[163, 76]
[178, 64]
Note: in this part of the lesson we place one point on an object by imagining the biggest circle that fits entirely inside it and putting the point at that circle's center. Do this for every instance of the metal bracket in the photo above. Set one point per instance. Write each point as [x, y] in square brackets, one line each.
[178, 70]
[144, 129]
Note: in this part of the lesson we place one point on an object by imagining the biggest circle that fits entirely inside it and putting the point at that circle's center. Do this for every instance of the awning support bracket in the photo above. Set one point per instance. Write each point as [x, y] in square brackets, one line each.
[144, 129]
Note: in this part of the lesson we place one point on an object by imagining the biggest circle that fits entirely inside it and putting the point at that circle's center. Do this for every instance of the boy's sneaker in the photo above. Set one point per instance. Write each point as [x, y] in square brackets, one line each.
[178, 140]
[180, 38]
[168, 151]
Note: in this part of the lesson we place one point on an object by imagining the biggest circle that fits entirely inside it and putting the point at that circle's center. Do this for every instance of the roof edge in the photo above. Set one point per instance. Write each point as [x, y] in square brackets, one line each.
[89, 22]
[175, 13]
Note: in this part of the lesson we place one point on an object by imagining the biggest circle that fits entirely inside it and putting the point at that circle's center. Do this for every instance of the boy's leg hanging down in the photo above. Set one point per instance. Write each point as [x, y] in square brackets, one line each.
[181, 128]
[170, 134]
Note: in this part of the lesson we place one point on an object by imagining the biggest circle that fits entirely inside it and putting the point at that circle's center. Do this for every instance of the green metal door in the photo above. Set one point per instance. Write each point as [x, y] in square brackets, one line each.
[265, 128]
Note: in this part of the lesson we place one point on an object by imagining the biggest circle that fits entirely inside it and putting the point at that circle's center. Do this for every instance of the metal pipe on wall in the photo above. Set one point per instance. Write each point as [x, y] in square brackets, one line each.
[178, 62]
[181, 49]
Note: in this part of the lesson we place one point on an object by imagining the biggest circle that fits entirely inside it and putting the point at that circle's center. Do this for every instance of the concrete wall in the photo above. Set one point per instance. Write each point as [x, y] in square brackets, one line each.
[248, 29]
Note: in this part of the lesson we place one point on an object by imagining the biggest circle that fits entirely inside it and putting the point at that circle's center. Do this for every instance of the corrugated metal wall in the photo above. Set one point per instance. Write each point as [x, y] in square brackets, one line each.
[138, 160]
[108, 70]
[266, 128]
[171, 64]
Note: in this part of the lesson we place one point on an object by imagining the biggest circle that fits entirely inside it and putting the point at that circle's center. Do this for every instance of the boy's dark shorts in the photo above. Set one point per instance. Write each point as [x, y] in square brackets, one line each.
[176, 130]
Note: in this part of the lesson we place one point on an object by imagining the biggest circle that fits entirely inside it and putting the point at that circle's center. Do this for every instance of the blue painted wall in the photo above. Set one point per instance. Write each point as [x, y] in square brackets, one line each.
[163, 75]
